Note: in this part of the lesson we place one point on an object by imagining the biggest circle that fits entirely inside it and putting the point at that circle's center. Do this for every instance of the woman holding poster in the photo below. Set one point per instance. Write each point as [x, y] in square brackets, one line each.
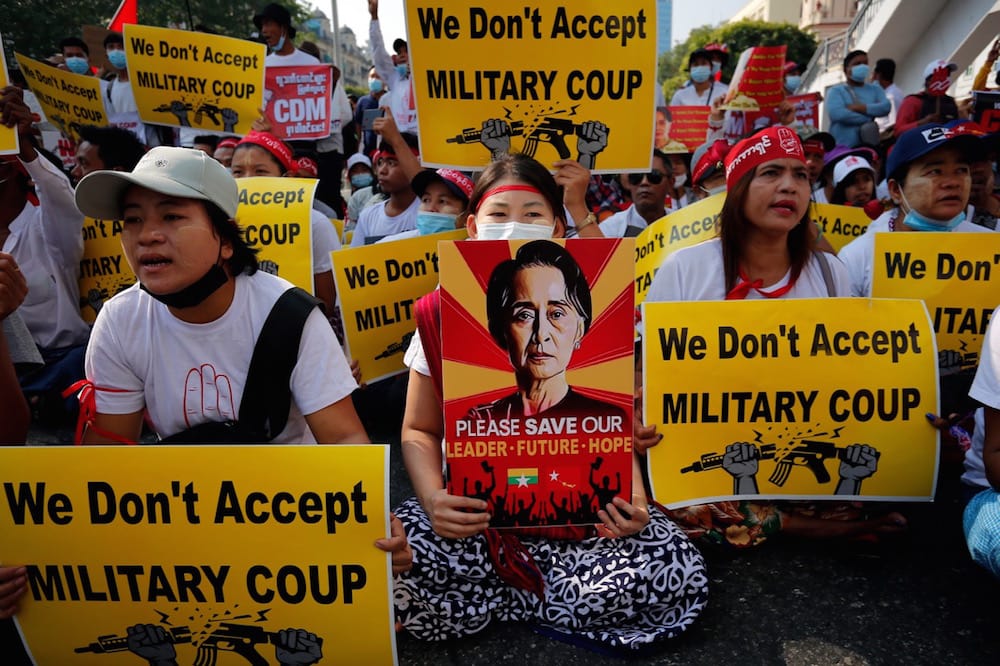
[648, 582]
[764, 249]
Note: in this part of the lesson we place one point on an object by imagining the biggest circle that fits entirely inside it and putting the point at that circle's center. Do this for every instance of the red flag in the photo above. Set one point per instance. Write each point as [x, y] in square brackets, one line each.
[127, 12]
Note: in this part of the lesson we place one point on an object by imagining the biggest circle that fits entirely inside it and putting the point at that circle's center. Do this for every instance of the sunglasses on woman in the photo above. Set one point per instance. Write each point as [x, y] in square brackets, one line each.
[654, 177]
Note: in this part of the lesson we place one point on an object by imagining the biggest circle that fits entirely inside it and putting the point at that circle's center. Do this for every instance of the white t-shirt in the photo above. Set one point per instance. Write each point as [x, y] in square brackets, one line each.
[293, 59]
[47, 243]
[402, 235]
[696, 273]
[187, 374]
[985, 389]
[415, 358]
[374, 224]
[324, 241]
[688, 96]
[616, 225]
[859, 254]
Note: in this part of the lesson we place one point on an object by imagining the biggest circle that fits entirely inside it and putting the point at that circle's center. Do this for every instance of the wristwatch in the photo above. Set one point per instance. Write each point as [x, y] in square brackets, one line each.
[587, 221]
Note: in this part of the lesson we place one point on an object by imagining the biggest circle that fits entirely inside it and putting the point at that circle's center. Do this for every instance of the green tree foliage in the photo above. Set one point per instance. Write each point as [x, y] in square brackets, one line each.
[34, 27]
[738, 37]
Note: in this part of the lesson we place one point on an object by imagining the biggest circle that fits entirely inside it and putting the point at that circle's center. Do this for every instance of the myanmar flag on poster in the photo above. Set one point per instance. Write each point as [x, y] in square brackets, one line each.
[522, 477]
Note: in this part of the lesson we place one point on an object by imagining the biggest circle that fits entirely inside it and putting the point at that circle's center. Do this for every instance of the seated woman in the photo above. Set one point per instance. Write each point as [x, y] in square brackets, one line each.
[645, 580]
[538, 309]
[179, 342]
[765, 249]
[853, 182]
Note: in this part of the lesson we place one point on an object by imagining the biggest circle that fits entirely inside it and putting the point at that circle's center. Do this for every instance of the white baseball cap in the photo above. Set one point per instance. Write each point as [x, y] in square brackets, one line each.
[179, 172]
[935, 65]
[358, 158]
[849, 165]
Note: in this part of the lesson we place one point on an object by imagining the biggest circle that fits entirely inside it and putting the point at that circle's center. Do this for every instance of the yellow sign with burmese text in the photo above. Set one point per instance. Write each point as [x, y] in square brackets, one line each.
[193, 555]
[790, 398]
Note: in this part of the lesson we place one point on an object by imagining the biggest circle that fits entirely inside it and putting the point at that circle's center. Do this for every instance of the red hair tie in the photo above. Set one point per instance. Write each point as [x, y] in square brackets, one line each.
[506, 188]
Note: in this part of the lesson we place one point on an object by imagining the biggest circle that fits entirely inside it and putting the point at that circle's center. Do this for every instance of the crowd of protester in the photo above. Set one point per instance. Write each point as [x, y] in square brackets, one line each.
[929, 169]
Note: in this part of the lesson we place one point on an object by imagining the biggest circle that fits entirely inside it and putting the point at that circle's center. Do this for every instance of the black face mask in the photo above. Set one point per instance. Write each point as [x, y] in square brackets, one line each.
[196, 293]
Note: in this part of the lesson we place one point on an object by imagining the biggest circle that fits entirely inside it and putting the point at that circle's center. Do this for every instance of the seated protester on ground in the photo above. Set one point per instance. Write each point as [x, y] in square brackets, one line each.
[679, 163]
[929, 181]
[106, 148]
[444, 203]
[224, 151]
[982, 515]
[924, 108]
[853, 182]
[16, 348]
[43, 230]
[263, 154]
[855, 102]
[648, 192]
[985, 205]
[399, 211]
[306, 167]
[364, 189]
[708, 176]
[823, 191]
[645, 581]
[206, 143]
[763, 250]
[190, 324]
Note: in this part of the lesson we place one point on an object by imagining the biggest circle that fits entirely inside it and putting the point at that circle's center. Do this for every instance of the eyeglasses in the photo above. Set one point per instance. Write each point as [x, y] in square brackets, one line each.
[654, 177]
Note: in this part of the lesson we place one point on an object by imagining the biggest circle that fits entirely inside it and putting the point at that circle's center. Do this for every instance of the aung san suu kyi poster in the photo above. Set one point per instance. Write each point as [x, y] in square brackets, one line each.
[538, 376]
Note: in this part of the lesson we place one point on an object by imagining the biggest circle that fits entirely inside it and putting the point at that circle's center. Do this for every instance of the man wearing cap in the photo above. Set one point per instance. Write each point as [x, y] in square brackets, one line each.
[932, 104]
[815, 145]
[708, 177]
[395, 74]
[224, 151]
[702, 88]
[927, 199]
[275, 25]
[444, 201]
[649, 191]
[41, 228]
[855, 102]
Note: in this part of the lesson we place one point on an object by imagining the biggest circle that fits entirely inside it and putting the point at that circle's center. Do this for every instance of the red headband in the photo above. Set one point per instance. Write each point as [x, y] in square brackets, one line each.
[385, 153]
[272, 144]
[506, 188]
[774, 143]
[228, 143]
[309, 165]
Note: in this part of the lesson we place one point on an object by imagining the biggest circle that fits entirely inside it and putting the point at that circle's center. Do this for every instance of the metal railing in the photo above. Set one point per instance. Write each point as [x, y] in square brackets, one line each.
[830, 54]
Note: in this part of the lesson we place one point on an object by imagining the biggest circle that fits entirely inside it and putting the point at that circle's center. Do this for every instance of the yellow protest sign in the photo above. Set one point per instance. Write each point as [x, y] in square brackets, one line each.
[194, 79]
[803, 398]
[379, 285]
[955, 274]
[547, 79]
[338, 225]
[103, 270]
[840, 224]
[276, 216]
[687, 226]
[69, 100]
[191, 553]
[9, 144]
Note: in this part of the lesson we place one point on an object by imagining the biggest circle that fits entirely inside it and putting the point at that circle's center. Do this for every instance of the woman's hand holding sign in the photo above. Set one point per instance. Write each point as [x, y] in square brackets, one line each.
[13, 583]
[456, 517]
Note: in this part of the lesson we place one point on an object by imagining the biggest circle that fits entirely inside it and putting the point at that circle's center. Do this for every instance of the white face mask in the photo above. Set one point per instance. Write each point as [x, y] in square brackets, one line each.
[513, 230]
[680, 180]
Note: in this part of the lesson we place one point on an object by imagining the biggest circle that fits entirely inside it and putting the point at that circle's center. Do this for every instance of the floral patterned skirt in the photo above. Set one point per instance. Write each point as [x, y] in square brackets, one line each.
[620, 594]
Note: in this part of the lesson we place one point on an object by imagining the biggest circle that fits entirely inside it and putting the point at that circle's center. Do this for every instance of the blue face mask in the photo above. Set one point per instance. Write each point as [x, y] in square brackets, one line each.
[859, 73]
[700, 73]
[792, 83]
[375, 85]
[919, 222]
[117, 58]
[434, 223]
[78, 65]
[402, 69]
[361, 179]
[280, 45]
[716, 67]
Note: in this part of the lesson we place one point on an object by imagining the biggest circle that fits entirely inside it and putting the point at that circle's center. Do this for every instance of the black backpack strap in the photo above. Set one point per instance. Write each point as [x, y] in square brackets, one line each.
[267, 395]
